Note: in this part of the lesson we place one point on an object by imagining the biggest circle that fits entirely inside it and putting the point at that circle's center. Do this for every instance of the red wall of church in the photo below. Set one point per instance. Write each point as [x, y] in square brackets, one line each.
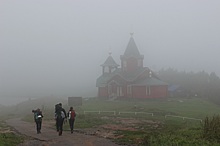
[156, 92]
[131, 64]
[102, 92]
[139, 92]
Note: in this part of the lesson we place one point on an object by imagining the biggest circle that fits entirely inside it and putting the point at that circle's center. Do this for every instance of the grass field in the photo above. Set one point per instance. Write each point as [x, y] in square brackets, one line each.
[197, 108]
[170, 131]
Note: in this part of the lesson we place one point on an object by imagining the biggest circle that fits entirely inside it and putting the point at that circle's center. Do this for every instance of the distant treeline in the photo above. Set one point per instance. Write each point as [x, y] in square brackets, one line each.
[201, 84]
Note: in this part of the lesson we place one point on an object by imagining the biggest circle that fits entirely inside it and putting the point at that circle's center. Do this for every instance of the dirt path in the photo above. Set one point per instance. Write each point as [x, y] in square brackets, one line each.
[49, 137]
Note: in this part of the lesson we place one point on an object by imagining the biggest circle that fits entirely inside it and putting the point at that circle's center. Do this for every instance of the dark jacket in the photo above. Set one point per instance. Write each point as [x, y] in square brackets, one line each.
[60, 112]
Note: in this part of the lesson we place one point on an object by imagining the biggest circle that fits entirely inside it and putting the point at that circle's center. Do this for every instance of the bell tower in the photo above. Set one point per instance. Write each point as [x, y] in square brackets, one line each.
[131, 60]
[109, 65]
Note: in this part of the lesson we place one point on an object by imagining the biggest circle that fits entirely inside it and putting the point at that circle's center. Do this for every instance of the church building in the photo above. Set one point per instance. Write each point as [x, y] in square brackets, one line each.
[132, 79]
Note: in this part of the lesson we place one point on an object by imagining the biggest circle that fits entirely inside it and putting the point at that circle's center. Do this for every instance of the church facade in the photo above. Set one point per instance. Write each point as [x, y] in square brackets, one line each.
[132, 79]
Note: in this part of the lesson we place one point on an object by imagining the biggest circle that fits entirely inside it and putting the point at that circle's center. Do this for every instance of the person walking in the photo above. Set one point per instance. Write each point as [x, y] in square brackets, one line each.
[38, 119]
[60, 116]
[71, 116]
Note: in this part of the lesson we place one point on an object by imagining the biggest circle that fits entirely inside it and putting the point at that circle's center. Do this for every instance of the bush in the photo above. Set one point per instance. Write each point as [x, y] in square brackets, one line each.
[211, 128]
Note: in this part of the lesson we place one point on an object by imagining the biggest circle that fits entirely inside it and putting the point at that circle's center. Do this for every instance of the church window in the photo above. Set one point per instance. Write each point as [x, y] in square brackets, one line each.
[121, 92]
[106, 69]
[148, 90]
[129, 90]
[118, 91]
[109, 89]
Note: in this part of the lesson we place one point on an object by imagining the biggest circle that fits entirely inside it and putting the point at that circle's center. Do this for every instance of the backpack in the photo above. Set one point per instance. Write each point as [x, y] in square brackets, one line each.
[72, 114]
[62, 114]
[58, 110]
[37, 116]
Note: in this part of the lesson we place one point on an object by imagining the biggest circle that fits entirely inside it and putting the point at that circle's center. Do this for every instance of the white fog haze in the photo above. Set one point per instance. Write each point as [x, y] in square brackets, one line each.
[55, 47]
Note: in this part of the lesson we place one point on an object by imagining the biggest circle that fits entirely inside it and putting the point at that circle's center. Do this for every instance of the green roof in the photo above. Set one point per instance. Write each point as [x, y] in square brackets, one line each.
[110, 62]
[131, 76]
[150, 81]
[103, 79]
[127, 76]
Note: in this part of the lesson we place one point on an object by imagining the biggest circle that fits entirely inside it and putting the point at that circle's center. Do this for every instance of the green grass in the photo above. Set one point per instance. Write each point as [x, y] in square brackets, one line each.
[175, 134]
[196, 108]
[88, 121]
[10, 139]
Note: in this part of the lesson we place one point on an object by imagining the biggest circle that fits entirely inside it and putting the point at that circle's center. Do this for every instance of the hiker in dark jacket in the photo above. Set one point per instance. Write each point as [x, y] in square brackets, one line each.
[71, 116]
[60, 116]
[38, 119]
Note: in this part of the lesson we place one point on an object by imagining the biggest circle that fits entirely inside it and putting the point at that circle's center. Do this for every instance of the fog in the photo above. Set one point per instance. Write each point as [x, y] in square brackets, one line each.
[56, 47]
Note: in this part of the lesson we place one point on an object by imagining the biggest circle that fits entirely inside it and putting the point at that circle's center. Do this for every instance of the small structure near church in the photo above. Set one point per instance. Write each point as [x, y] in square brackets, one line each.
[132, 79]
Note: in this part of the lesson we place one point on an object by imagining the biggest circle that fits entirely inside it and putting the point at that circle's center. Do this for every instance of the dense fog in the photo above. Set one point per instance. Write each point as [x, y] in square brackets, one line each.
[55, 48]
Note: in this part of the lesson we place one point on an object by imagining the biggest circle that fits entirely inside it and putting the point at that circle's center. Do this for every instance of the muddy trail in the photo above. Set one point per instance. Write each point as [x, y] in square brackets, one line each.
[49, 137]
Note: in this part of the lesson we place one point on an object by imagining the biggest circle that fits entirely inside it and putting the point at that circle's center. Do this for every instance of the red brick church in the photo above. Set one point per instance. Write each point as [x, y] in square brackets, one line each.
[132, 79]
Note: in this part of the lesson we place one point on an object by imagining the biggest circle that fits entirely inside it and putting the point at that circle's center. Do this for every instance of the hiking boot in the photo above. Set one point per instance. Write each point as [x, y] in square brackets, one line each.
[71, 131]
[60, 133]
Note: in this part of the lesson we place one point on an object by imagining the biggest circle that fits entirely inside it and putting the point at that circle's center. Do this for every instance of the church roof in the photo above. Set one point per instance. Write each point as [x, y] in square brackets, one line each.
[110, 62]
[130, 78]
[150, 81]
[127, 76]
[103, 79]
[132, 50]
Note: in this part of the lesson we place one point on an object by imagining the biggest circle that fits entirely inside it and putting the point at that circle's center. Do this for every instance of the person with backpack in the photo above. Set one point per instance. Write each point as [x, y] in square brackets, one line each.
[60, 116]
[38, 119]
[71, 116]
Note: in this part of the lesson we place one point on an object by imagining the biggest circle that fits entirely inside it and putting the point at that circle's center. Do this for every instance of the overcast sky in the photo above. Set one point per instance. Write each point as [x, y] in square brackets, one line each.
[56, 47]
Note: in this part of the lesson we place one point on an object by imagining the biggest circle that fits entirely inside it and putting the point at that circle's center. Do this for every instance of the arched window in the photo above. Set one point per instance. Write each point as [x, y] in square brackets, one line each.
[148, 90]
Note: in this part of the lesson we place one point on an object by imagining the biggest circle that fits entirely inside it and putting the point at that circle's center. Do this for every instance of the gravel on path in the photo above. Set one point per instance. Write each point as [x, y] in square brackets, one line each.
[49, 137]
